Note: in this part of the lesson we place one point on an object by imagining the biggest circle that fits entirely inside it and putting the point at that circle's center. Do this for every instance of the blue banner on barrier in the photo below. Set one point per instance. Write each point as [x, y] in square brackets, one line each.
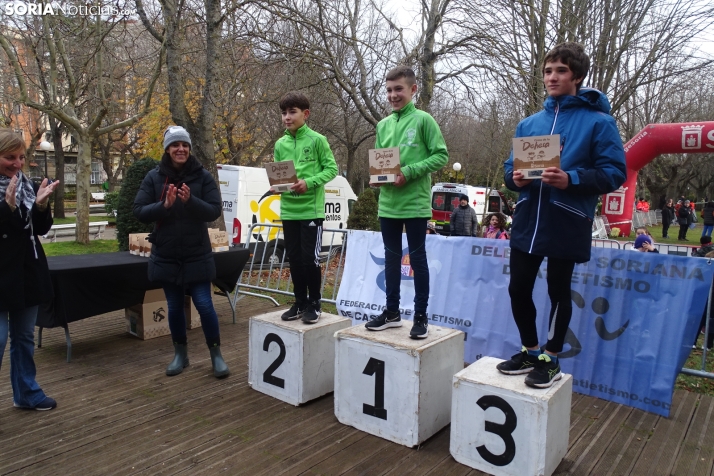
[635, 314]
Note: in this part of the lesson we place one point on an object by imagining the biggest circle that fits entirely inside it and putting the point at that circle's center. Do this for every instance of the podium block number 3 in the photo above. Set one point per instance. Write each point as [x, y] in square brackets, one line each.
[268, 376]
[502, 430]
[375, 366]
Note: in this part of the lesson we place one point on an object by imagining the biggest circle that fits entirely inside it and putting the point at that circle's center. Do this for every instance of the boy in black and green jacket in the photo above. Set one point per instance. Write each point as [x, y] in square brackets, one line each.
[302, 208]
[406, 204]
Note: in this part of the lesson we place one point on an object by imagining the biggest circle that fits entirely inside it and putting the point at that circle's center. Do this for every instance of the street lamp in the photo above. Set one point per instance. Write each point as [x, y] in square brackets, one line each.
[45, 146]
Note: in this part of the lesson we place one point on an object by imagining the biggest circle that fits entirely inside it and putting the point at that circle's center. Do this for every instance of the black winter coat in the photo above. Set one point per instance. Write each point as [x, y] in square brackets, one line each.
[667, 215]
[181, 248]
[708, 215]
[684, 215]
[24, 279]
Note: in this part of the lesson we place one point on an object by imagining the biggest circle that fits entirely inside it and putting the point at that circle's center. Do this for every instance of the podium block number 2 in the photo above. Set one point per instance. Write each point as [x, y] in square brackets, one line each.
[375, 366]
[268, 376]
[502, 430]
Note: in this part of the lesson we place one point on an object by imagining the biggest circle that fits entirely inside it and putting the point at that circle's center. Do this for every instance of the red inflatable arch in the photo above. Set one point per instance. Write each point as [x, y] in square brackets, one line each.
[653, 140]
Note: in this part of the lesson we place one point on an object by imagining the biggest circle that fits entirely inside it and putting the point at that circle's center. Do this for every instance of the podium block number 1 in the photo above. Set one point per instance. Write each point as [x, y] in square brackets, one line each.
[502, 430]
[268, 376]
[376, 366]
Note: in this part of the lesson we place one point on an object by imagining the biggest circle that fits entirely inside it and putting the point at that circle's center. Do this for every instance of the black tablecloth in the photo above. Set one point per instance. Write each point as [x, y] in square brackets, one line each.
[88, 285]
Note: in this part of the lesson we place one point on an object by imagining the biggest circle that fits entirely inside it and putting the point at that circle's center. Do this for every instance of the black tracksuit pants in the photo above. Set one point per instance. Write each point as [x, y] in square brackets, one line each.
[524, 271]
[303, 242]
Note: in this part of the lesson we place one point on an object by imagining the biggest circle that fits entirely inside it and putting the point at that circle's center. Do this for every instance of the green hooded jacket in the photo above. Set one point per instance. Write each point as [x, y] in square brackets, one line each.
[315, 164]
[422, 150]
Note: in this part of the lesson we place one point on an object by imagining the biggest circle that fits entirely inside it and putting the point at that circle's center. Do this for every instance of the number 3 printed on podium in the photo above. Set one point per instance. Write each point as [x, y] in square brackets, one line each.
[375, 366]
[503, 430]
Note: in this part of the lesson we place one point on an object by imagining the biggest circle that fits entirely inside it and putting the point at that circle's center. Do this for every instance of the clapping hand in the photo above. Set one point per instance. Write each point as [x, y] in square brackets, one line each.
[10, 192]
[184, 193]
[170, 196]
[44, 192]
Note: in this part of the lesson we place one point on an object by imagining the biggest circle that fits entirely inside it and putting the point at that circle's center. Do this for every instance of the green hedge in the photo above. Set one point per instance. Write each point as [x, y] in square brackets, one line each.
[126, 222]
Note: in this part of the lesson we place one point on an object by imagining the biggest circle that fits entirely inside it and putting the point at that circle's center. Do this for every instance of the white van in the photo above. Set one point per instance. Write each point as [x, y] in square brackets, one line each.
[446, 196]
[247, 199]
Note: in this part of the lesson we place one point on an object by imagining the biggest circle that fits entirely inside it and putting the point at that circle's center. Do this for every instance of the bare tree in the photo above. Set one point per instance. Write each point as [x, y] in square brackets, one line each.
[75, 71]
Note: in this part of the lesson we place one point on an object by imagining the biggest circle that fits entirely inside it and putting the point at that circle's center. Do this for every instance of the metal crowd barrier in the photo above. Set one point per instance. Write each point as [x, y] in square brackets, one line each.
[268, 268]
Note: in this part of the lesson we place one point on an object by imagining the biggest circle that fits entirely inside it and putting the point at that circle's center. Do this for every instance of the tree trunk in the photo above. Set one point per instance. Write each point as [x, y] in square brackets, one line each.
[56, 128]
[84, 169]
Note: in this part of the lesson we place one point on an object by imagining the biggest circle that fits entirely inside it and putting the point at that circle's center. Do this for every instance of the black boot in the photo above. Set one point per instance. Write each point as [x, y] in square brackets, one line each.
[220, 369]
[180, 360]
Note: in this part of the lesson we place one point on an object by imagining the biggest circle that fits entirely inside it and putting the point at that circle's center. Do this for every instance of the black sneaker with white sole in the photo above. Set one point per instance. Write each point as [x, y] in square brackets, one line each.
[420, 329]
[521, 363]
[545, 373]
[312, 312]
[294, 312]
[384, 321]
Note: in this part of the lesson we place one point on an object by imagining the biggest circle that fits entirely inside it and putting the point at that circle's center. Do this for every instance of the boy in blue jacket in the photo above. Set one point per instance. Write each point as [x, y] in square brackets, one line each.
[553, 216]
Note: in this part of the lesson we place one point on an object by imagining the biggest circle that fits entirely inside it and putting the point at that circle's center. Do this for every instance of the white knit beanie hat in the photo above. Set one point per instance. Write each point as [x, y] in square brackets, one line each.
[176, 134]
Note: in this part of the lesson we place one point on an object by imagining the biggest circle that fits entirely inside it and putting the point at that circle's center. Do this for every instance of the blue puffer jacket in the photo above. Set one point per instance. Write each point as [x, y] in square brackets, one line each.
[558, 223]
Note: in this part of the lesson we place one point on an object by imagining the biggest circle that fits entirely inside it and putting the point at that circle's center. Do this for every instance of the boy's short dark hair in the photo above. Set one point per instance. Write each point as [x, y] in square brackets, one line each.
[402, 71]
[573, 55]
[294, 99]
[705, 240]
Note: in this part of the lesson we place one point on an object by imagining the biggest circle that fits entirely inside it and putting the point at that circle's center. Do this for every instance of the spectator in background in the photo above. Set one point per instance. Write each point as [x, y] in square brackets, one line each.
[430, 228]
[667, 217]
[644, 244]
[708, 217]
[684, 217]
[464, 221]
[495, 227]
[707, 246]
[643, 205]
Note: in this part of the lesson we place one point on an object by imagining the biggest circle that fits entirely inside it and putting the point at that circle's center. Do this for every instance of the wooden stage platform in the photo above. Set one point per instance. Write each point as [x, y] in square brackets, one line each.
[119, 414]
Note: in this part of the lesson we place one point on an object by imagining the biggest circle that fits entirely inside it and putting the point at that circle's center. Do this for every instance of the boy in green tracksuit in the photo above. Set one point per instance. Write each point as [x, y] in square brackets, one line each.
[406, 204]
[302, 208]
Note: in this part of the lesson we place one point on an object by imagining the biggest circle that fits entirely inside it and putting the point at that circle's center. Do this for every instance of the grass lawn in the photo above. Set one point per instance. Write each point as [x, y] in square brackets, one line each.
[73, 248]
[656, 232]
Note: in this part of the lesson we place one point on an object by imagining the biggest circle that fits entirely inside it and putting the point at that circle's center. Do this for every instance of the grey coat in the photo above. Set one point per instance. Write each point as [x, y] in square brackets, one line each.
[463, 222]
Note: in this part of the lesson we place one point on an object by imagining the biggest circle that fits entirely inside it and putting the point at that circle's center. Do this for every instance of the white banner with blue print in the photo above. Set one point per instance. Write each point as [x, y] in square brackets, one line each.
[634, 314]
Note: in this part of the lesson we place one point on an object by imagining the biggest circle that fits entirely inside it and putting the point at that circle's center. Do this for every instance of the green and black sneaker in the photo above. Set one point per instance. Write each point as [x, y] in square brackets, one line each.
[521, 363]
[545, 373]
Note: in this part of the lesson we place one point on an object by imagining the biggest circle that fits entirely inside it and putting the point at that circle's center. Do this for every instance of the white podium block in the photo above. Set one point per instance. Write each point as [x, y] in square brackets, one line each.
[290, 360]
[395, 387]
[499, 425]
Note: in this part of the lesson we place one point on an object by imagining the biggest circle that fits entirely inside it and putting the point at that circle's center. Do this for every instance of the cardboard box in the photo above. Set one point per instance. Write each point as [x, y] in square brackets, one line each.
[149, 319]
[219, 240]
[139, 244]
[193, 320]
[384, 165]
[281, 175]
[144, 245]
